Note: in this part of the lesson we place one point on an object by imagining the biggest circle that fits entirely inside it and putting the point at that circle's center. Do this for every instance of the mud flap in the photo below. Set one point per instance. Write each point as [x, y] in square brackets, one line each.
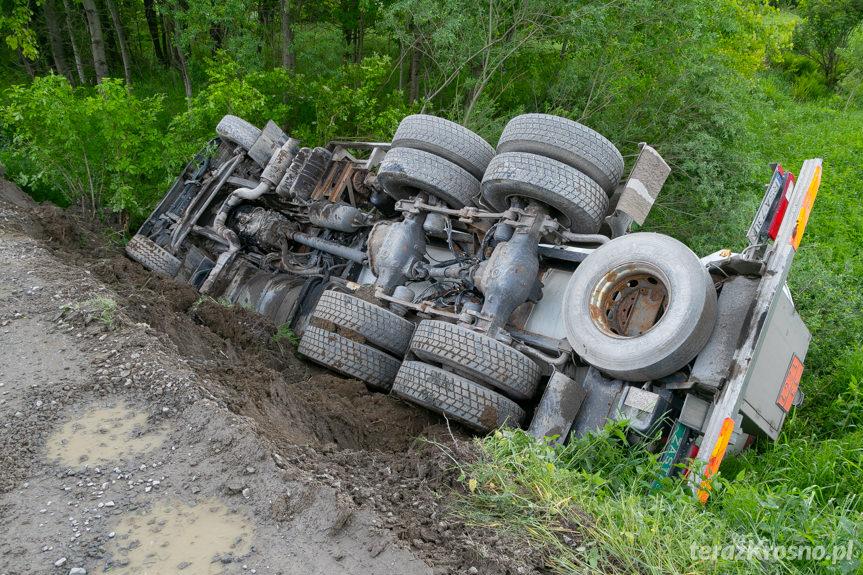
[270, 140]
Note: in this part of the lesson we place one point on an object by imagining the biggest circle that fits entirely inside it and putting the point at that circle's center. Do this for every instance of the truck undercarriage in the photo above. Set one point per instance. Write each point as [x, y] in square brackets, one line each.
[499, 287]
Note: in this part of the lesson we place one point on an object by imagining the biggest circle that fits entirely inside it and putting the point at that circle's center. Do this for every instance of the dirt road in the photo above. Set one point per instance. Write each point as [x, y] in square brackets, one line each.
[145, 430]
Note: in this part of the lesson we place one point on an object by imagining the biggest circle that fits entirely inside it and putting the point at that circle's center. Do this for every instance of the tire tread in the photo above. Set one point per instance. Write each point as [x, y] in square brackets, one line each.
[404, 170]
[563, 187]
[566, 141]
[237, 131]
[152, 256]
[349, 357]
[456, 397]
[487, 360]
[378, 326]
[446, 139]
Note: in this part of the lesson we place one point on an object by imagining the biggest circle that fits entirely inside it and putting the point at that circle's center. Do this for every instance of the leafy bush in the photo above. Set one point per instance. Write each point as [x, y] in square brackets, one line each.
[809, 87]
[826, 28]
[347, 104]
[352, 105]
[806, 80]
[101, 147]
[322, 49]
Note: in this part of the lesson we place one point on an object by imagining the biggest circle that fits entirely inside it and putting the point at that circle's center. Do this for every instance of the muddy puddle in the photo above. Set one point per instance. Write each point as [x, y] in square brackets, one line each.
[103, 435]
[176, 537]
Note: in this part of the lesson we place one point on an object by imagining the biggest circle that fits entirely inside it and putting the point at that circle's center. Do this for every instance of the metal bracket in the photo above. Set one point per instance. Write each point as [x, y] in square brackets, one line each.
[643, 186]
[271, 139]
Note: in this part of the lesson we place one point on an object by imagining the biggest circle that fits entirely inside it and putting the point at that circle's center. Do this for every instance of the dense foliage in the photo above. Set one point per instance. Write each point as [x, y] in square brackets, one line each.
[719, 87]
[100, 149]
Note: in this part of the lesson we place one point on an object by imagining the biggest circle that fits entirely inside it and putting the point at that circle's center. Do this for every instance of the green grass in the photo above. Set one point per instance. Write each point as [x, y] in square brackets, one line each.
[284, 333]
[97, 308]
[828, 270]
[587, 505]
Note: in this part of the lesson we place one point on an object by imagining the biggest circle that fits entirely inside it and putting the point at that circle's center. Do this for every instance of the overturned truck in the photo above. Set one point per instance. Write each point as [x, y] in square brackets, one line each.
[499, 287]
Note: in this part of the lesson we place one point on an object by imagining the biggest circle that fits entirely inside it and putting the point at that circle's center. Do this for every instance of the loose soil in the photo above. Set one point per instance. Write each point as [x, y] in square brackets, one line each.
[149, 430]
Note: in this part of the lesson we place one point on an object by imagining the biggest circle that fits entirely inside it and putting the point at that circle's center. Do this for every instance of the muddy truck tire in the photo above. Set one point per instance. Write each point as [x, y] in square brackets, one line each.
[152, 256]
[566, 141]
[405, 172]
[378, 326]
[640, 307]
[237, 131]
[349, 357]
[456, 397]
[446, 139]
[477, 356]
[578, 201]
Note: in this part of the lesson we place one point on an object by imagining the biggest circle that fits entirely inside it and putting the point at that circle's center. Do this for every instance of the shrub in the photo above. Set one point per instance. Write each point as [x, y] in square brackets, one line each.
[347, 104]
[100, 147]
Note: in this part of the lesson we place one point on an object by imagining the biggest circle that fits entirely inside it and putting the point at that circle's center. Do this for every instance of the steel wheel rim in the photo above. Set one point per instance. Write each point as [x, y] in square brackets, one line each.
[630, 300]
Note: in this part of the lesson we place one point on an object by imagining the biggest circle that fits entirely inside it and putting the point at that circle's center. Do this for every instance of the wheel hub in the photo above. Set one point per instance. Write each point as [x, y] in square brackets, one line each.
[629, 301]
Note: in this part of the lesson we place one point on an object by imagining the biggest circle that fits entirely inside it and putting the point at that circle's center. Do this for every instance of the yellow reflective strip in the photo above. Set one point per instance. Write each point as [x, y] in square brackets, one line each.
[716, 458]
[808, 201]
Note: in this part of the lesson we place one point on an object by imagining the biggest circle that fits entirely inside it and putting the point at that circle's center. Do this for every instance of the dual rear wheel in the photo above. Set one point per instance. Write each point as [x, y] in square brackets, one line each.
[464, 375]
[560, 163]
[356, 338]
[437, 157]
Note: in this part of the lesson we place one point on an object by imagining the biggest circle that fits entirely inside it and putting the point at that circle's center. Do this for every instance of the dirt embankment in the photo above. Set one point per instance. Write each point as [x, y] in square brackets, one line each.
[314, 473]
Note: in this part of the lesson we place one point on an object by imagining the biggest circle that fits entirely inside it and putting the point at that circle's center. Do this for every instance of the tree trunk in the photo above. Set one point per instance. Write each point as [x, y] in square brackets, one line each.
[166, 42]
[414, 80]
[121, 40]
[361, 32]
[55, 36]
[97, 42]
[79, 65]
[153, 26]
[28, 65]
[401, 66]
[181, 60]
[289, 57]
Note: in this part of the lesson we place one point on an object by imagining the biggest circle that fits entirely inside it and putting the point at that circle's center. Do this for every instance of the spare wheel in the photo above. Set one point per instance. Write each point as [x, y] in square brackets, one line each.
[640, 307]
